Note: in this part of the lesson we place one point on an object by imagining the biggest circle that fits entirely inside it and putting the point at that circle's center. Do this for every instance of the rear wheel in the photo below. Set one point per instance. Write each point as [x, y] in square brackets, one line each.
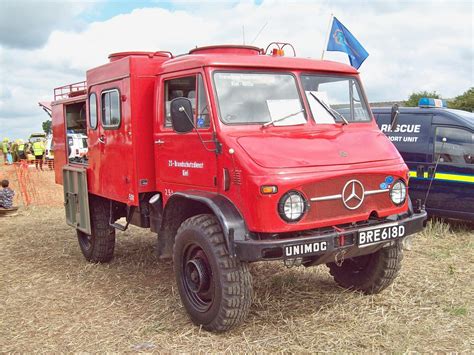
[369, 273]
[98, 247]
[215, 289]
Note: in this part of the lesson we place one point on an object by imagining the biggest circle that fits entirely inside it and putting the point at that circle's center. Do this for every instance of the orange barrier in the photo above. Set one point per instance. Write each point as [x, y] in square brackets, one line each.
[33, 183]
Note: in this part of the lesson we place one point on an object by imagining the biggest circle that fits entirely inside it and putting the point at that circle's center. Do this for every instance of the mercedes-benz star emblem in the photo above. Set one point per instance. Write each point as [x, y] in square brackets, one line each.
[353, 194]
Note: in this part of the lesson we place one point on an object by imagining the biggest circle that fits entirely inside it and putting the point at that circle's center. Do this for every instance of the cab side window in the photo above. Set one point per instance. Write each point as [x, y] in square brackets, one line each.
[93, 111]
[111, 109]
[458, 147]
[191, 87]
[203, 117]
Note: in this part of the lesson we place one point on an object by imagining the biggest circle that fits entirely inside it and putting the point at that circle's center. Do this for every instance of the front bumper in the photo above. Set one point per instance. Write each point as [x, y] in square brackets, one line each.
[325, 245]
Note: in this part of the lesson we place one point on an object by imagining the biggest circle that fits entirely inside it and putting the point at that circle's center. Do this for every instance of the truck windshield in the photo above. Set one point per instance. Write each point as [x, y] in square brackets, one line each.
[338, 93]
[258, 98]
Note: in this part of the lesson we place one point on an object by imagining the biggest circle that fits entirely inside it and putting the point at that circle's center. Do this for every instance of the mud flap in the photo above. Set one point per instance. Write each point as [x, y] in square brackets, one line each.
[76, 198]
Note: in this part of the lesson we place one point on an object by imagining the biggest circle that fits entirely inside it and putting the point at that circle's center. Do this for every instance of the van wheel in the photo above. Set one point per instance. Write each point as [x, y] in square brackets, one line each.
[98, 247]
[215, 289]
[369, 273]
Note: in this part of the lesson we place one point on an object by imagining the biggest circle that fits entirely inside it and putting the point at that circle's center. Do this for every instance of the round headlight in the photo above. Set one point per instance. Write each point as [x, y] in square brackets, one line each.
[292, 206]
[398, 193]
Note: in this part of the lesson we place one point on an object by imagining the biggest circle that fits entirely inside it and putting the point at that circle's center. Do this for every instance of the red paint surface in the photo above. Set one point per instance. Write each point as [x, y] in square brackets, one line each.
[306, 158]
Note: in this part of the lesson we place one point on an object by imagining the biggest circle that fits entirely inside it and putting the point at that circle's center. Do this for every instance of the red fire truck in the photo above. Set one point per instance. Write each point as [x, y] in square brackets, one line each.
[234, 155]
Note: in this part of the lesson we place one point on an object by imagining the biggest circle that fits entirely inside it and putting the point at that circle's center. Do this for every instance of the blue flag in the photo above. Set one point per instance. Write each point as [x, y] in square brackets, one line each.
[341, 40]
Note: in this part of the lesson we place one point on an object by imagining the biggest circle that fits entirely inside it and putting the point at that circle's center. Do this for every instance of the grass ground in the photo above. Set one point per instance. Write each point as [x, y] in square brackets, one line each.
[51, 299]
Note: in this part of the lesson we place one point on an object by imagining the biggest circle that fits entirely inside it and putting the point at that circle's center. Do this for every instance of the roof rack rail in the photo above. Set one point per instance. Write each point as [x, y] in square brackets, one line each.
[71, 90]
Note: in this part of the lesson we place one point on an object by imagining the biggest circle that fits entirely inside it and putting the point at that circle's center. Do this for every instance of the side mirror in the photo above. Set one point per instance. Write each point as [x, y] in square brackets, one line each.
[394, 117]
[181, 115]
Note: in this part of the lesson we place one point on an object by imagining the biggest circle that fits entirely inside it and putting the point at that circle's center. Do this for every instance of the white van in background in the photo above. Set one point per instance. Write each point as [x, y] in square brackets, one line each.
[77, 147]
[49, 153]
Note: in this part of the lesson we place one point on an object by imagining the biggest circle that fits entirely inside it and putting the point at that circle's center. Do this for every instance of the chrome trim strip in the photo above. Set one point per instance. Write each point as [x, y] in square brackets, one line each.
[373, 192]
[326, 198]
[335, 197]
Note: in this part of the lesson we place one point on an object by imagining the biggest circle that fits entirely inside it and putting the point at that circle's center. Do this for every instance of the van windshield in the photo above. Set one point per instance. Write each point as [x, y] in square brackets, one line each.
[258, 98]
[339, 93]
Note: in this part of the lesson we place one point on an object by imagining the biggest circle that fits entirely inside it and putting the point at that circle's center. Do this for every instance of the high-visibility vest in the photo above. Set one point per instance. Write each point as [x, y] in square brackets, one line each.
[5, 147]
[21, 147]
[38, 148]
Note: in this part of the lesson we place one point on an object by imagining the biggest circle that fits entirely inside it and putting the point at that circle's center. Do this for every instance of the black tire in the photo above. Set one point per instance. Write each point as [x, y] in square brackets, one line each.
[98, 247]
[215, 289]
[371, 273]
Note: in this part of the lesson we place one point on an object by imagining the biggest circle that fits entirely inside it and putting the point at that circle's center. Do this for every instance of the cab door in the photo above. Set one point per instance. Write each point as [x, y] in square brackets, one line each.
[185, 161]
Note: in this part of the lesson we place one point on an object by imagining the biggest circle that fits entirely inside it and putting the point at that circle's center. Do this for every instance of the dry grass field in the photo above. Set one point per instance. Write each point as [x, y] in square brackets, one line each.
[51, 299]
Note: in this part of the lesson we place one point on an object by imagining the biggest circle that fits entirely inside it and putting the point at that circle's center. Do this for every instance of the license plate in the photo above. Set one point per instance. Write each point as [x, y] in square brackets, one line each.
[369, 236]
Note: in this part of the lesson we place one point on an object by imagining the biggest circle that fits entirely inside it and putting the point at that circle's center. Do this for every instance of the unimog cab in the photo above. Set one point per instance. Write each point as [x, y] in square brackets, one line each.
[233, 155]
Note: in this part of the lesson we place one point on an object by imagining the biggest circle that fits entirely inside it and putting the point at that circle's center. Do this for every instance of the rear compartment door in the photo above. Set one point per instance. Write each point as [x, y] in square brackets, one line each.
[110, 152]
[183, 162]
[76, 198]
[115, 143]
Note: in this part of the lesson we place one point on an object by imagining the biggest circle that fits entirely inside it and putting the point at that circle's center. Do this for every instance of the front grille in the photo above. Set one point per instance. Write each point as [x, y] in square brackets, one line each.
[334, 206]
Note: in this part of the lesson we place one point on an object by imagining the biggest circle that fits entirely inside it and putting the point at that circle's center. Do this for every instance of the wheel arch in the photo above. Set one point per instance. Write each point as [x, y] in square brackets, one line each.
[183, 205]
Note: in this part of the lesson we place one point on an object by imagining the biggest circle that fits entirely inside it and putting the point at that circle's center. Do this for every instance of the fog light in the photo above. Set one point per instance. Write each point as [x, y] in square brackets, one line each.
[292, 206]
[398, 193]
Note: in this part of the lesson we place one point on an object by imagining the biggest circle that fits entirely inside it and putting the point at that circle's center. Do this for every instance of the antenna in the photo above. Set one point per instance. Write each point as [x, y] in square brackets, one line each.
[258, 34]
[434, 172]
[243, 33]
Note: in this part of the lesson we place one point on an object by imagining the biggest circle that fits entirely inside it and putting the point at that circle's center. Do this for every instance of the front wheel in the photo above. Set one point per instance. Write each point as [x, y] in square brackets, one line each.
[369, 273]
[215, 289]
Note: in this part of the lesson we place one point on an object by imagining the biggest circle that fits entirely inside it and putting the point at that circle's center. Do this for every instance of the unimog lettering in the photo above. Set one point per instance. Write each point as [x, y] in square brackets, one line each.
[296, 250]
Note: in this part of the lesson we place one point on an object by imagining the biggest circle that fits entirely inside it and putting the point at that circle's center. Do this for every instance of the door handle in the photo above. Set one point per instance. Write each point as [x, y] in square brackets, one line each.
[102, 139]
[420, 171]
[159, 141]
[431, 172]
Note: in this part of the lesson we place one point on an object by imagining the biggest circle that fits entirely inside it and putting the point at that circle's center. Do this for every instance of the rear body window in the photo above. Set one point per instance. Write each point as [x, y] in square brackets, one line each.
[111, 109]
[93, 111]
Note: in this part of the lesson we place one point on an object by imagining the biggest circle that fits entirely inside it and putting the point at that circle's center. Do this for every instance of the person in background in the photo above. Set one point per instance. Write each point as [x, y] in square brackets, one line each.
[38, 151]
[6, 195]
[5, 150]
[21, 149]
[14, 151]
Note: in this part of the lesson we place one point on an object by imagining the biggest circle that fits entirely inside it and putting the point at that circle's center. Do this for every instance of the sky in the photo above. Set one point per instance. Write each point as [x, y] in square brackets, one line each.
[412, 45]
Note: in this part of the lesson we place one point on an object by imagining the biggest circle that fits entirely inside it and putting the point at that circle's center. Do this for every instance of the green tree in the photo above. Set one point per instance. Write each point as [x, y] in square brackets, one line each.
[464, 101]
[47, 127]
[416, 96]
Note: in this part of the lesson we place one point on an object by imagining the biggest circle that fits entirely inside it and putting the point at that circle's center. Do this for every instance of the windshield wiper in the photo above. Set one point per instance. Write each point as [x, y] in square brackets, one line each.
[281, 119]
[331, 111]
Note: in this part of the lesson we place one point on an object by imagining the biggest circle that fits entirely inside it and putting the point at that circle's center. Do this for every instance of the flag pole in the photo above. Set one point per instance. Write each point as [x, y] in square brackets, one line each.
[327, 36]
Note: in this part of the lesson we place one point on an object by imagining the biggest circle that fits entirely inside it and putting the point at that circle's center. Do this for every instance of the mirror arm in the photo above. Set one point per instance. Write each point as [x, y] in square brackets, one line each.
[216, 150]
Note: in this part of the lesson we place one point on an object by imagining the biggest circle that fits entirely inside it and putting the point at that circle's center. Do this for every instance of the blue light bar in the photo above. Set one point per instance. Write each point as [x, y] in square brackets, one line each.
[429, 102]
